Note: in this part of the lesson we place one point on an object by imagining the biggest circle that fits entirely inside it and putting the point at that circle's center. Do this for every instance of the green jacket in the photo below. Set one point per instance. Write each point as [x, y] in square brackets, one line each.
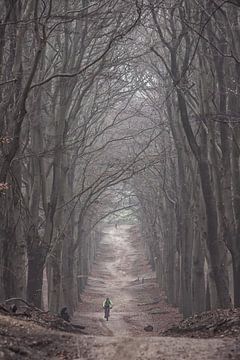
[107, 303]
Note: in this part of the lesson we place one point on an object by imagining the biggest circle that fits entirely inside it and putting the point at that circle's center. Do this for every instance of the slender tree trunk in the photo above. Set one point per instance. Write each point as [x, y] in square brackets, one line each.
[36, 261]
[236, 277]
[55, 280]
[68, 267]
[198, 278]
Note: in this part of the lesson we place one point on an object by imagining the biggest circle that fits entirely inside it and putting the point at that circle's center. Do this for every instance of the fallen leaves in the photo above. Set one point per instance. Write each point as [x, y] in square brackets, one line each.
[217, 323]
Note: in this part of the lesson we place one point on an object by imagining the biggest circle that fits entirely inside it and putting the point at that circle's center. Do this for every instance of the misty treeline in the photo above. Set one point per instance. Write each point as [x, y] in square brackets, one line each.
[117, 105]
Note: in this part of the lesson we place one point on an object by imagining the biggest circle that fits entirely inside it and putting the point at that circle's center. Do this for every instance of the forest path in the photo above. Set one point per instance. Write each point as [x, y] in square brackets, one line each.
[117, 273]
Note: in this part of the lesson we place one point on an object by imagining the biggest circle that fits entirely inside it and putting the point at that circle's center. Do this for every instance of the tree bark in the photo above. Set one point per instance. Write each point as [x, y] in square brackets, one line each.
[36, 261]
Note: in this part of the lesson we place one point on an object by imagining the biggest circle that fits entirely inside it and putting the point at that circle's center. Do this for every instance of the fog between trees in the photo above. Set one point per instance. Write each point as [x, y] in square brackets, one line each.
[109, 107]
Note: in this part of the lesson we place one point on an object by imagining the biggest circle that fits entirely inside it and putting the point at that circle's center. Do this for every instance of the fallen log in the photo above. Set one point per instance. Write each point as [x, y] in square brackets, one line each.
[25, 302]
[81, 327]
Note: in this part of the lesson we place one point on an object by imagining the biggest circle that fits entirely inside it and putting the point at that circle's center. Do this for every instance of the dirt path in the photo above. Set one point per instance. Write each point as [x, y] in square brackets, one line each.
[122, 273]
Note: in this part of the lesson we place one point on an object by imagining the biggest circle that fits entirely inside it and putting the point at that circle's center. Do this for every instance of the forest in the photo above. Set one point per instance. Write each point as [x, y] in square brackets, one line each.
[120, 111]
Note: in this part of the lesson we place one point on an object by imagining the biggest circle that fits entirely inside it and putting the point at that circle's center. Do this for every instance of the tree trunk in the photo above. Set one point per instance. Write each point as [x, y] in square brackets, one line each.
[236, 278]
[68, 266]
[54, 289]
[218, 268]
[36, 260]
[198, 278]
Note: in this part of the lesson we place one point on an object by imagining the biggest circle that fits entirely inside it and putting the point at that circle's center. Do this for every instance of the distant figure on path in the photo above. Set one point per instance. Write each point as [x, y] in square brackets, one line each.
[107, 305]
[116, 226]
[64, 314]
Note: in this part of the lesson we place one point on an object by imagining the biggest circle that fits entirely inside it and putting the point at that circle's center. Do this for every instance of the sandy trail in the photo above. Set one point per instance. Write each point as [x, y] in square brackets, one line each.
[118, 266]
[119, 279]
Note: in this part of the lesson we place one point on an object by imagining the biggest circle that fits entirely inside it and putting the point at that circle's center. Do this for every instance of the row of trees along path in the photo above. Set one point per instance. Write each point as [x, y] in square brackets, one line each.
[121, 272]
[113, 101]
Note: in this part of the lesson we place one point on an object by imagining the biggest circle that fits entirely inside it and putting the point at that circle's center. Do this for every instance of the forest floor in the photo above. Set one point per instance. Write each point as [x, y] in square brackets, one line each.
[122, 273]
